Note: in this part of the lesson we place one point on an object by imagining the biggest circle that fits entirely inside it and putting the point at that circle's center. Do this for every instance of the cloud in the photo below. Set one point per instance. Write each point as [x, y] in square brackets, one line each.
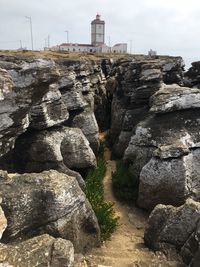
[170, 27]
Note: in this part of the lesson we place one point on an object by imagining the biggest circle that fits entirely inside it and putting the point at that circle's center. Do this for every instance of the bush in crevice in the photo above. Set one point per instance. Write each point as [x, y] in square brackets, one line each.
[95, 193]
[125, 185]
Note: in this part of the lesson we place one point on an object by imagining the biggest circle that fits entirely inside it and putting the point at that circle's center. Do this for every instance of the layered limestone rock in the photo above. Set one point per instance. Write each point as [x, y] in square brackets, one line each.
[55, 148]
[48, 202]
[49, 111]
[137, 81]
[40, 94]
[164, 152]
[82, 85]
[172, 98]
[22, 84]
[43, 250]
[175, 228]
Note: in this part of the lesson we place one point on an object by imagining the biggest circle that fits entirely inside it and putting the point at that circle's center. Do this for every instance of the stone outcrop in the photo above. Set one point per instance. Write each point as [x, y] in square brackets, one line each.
[86, 121]
[137, 81]
[43, 250]
[172, 98]
[175, 228]
[190, 252]
[53, 149]
[48, 202]
[38, 96]
[50, 111]
[22, 85]
[164, 150]
[192, 76]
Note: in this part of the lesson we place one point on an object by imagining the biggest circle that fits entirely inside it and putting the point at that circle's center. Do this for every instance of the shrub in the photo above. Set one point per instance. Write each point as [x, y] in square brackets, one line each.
[125, 185]
[95, 193]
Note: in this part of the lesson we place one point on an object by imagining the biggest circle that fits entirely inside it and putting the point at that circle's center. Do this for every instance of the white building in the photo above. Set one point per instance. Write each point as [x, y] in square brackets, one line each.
[97, 41]
[120, 48]
[76, 47]
[97, 31]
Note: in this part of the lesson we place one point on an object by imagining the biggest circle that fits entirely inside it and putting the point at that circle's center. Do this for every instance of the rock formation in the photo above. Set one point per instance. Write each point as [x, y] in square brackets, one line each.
[175, 228]
[48, 202]
[50, 116]
[42, 250]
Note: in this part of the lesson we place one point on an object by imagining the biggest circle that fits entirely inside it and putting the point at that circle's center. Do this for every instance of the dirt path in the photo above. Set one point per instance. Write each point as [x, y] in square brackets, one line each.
[126, 247]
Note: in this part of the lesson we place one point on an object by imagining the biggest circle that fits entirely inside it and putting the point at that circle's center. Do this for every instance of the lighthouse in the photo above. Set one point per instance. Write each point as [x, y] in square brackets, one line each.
[97, 31]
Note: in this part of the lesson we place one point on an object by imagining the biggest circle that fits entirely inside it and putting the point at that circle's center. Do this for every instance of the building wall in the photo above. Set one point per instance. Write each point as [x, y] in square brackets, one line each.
[119, 48]
[97, 32]
[76, 48]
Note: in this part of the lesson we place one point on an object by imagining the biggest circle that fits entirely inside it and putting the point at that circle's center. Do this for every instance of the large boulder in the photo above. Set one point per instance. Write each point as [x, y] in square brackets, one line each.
[48, 202]
[43, 250]
[86, 121]
[169, 181]
[170, 227]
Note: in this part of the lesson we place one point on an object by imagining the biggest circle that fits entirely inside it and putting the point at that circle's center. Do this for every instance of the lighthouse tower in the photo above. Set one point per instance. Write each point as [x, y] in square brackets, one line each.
[97, 31]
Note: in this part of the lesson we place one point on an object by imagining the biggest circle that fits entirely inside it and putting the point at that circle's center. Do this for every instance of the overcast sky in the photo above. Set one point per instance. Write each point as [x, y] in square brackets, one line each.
[168, 26]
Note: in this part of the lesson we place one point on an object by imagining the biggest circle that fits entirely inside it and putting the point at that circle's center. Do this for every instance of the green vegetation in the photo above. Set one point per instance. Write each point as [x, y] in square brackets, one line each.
[95, 194]
[125, 185]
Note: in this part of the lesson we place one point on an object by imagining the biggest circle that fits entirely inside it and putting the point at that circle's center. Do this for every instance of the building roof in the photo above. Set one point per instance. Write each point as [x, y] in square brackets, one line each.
[98, 20]
[120, 44]
[75, 45]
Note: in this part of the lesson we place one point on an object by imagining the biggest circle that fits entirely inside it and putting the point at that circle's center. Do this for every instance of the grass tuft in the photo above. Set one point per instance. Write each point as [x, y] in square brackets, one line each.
[95, 193]
[125, 185]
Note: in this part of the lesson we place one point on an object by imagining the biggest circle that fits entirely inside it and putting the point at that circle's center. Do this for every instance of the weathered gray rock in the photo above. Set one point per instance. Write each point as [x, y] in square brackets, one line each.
[173, 97]
[169, 227]
[192, 76]
[48, 202]
[190, 252]
[172, 70]
[166, 146]
[53, 149]
[86, 121]
[22, 84]
[49, 111]
[43, 250]
[137, 80]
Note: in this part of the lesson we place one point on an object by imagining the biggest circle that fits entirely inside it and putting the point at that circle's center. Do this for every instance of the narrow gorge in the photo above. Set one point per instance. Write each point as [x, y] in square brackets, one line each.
[53, 111]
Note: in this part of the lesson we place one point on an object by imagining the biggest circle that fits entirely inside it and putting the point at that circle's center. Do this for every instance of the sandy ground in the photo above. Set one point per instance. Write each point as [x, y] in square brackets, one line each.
[126, 246]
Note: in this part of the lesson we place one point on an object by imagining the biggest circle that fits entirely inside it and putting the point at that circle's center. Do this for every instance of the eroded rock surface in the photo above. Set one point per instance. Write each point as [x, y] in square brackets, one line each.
[164, 149]
[43, 250]
[52, 149]
[137, 81]
[48, 202]
[175, 228]
[22, 84]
